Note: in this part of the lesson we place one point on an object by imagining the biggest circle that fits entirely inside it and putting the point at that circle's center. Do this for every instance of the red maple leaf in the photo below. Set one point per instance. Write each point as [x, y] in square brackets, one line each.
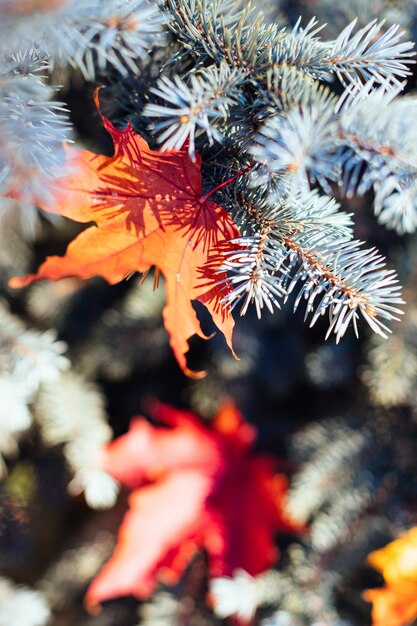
[194, 487]
[148, 210]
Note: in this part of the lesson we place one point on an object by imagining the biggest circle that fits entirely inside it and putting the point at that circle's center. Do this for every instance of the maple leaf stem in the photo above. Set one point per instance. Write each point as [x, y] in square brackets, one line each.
[226, 182]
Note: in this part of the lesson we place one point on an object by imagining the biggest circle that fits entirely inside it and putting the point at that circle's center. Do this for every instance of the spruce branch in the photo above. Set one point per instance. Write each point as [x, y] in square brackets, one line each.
[364, 139]
[33, 126]
[118, 34]
[216, 30]
[300, 49]
[252, 274]
[88, 34]
[377, 147]
[196, 108]
[294, 146]
[310, 244]
[28, 359]
[61, 412]
[368, 55]
[351, 282]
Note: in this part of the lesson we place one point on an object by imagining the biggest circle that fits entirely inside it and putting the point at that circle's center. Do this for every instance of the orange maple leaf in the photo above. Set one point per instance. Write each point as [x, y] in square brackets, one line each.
[193, 487]
[149, 210]
[396, 603]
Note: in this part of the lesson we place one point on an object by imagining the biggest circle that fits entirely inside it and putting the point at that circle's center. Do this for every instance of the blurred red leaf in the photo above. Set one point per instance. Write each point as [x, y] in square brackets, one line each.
[193, 487]
[149, 210]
